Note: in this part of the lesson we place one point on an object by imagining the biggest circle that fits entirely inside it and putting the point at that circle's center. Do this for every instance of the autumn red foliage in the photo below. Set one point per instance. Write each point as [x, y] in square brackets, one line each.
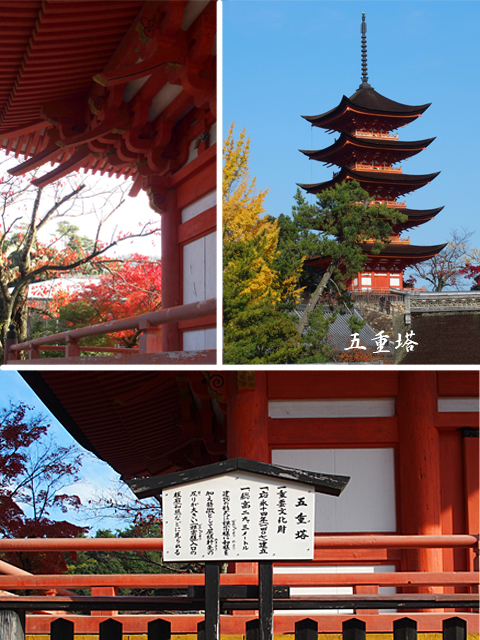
[34, 471]
[130, 288]
[472, 271]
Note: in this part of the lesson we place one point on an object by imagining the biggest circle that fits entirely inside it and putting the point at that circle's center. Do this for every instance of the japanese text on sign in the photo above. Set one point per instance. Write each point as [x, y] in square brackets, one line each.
[239, 516]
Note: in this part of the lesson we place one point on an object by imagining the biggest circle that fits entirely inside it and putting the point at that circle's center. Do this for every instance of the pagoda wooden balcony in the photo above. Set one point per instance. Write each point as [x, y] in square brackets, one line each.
[393, 203]
[360, 166]
[149, 349]
[429, 597]
[369, 134]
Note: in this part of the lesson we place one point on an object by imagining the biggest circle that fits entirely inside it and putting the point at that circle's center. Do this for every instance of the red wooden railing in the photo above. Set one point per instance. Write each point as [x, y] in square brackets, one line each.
[148, 349]
[448, 584]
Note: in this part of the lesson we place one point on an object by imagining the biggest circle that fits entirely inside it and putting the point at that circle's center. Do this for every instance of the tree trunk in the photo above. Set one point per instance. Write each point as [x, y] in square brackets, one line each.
[312, 303]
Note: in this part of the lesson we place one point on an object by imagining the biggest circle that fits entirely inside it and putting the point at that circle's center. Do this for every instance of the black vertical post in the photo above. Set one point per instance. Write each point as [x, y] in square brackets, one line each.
[405, 629]
[61, 629]
[252, 629]
[212, 600]
[265, 599]
[110, 630]
[454, 629]
[354, 629]
[306, 629]
[159, 630]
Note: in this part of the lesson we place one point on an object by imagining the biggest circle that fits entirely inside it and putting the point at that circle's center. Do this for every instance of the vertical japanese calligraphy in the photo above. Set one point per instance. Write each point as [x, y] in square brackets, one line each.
[263, 520]
[211, 541]
[238, 516]
[245, 506]
[177, 505]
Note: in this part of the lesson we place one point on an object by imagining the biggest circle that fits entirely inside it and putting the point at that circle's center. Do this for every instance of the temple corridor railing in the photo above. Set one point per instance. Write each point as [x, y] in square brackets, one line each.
[148, 351]
[429, 597]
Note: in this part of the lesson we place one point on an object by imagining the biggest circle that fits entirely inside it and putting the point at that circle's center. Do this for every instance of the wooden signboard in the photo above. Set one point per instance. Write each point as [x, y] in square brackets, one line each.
[238, 516]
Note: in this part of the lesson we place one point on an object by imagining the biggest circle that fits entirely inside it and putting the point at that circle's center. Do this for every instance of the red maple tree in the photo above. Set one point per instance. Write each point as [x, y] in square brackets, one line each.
[27, 212]
[131, 287]
[472, 271]
[34, 471]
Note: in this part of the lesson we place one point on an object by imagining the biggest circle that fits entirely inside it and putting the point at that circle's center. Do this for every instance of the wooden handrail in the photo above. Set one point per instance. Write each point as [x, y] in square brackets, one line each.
[366, 541]
[143, 322]
[179, 580]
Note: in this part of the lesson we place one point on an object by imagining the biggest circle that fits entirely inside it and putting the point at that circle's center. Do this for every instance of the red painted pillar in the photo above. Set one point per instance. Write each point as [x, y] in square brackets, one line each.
[171, 269]
[247, 416]
[471, 477]
[247, 429]
[419, 461]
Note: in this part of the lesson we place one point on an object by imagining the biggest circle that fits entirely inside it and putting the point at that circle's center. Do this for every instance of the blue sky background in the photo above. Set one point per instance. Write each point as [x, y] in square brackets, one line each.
[284, 59]
[96, 474]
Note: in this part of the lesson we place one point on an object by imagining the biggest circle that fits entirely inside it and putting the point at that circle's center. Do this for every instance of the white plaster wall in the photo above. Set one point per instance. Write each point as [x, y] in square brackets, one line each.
[200, 339]
[368, 502]
[199, 206]
[354, 408]
[199, 283]
[452, 405]
[330, 591]
[199, 269]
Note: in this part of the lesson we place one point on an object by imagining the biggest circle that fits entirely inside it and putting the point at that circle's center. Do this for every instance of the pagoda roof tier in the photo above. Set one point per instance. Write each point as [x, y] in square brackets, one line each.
[367, 108]
[379, 184]
[395, 256]
[349, 149]
[416, 217]
[120, 87]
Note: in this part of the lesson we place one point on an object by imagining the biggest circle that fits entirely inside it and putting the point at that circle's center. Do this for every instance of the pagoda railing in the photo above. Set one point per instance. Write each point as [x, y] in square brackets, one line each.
[397, 205]
[148, 351]
[360, 166]
[432, 590]
[369, 134]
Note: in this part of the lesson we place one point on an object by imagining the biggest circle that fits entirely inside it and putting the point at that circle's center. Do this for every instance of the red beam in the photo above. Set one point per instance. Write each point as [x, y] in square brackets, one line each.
[172, 581]
[367, 541]
[335, 431]
[304, 385]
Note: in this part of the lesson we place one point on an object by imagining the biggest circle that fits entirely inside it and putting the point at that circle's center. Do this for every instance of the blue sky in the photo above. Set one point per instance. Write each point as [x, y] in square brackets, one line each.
[95, 474]
[284, 59]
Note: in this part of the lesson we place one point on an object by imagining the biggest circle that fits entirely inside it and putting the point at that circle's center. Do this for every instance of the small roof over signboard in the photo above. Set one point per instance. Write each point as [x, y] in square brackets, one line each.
[322, 482]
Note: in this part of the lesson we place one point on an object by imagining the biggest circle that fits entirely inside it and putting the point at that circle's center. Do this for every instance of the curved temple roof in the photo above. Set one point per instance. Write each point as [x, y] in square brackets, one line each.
[365, 108]
[376, 183]
[116, 86]
[348, 149]
[141, 422]
[393, 256]
[415, 217]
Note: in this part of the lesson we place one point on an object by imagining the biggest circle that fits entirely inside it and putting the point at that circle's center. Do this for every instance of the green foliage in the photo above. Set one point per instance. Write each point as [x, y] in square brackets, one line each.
[315, 349]
[339, 222]
[127, 562]
[256, 330]
[333, 231]
[260, 330]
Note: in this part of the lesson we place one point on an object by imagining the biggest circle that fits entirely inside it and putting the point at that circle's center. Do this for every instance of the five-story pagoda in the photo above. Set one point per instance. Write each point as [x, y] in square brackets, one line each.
[366, 151]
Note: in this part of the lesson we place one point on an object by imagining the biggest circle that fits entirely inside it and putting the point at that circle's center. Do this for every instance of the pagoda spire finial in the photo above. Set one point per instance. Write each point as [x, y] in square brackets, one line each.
[363, 31]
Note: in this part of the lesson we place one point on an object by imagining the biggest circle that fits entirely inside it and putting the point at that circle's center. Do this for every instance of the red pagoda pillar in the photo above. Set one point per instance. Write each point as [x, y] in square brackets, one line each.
[419, 466]
[247, 429]
[247, 416]
[171, 282]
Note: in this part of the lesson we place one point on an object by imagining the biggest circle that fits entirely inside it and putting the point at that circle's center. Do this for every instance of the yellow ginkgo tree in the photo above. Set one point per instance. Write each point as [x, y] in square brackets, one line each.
[257, 329]
[243, 210]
